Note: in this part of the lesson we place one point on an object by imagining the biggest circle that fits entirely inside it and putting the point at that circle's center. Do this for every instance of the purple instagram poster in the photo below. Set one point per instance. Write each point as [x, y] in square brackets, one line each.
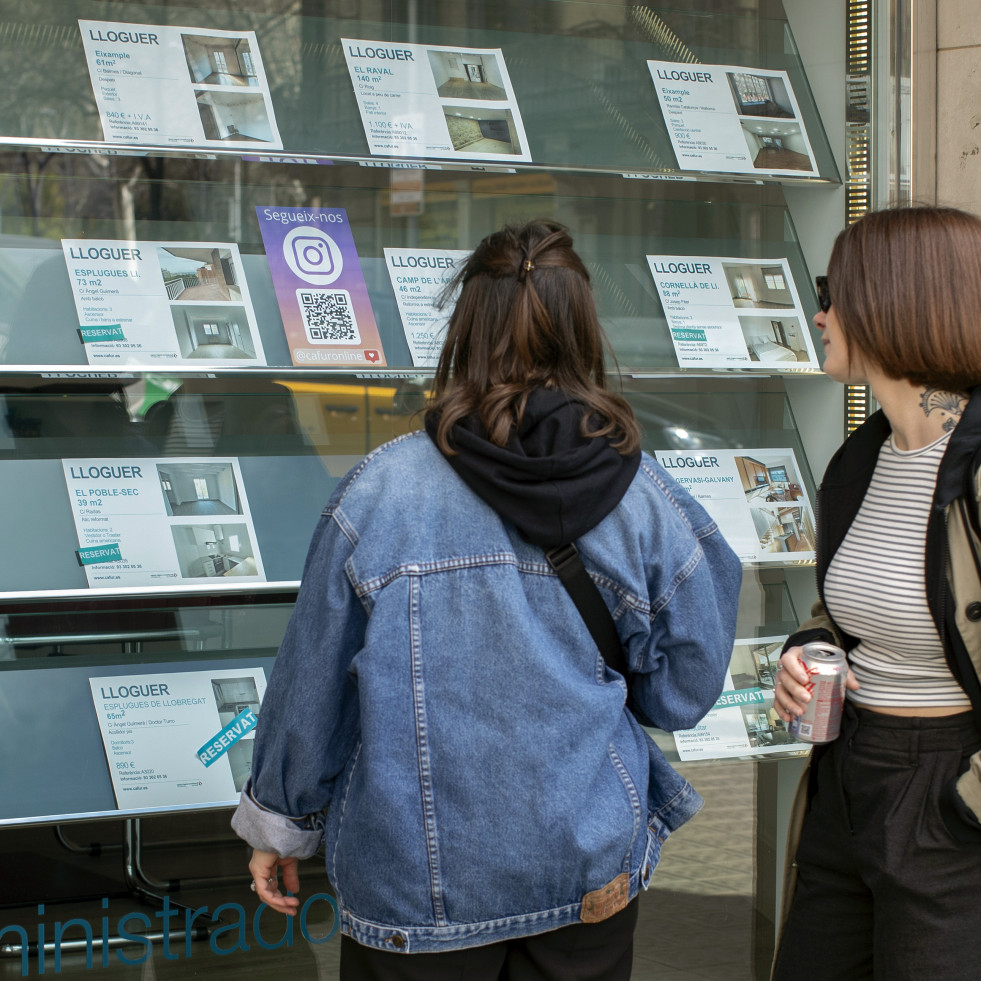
[320, 288]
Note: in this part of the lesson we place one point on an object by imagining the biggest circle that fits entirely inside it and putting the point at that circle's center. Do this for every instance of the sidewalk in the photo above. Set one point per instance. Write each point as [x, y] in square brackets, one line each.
[696, 920]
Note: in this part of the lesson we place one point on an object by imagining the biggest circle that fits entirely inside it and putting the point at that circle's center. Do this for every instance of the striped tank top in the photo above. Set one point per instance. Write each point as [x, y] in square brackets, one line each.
[875, 587]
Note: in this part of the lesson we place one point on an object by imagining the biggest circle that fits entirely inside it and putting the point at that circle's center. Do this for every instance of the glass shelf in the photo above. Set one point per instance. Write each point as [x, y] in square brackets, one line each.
[225, 449]
[90, 638]
[131, 632]
[616, 224]
[242, 458]
[144, 639]
[606, 119]
[337, 414]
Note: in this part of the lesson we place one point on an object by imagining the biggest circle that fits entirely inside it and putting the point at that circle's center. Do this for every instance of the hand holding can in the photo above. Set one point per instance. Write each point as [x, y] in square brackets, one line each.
[826, 670]
[790, 694]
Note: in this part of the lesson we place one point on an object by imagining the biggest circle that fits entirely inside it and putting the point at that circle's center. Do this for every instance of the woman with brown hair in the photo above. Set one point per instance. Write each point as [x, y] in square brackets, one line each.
[439, 717]
[888, 866]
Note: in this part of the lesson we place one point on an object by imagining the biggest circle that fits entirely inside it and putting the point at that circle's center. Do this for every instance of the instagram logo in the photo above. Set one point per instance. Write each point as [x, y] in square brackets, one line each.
[313, 256]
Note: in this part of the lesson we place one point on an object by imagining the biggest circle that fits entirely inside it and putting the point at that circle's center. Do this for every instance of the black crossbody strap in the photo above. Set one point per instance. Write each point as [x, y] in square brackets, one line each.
[564, 559]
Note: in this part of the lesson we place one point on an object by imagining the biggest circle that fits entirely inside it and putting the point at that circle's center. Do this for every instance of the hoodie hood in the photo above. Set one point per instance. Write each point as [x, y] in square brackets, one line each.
[550, 481]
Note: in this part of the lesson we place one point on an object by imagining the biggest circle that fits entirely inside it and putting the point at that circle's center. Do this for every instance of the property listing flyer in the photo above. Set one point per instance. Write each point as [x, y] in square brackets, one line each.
[320, 287]
[733, 313]
[166, 522]
[743, 721]
[756, 497]
[733, 120]
[179, 86]
[418, 277]
[172, 303]
[178, 739]
[426, 100]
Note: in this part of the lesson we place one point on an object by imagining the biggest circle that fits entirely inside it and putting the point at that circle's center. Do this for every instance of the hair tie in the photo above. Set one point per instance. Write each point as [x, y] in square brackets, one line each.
[525, 268]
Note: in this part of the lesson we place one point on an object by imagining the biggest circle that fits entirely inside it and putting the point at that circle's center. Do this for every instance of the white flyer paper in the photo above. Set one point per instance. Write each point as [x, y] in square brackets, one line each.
[162, 522]
[179, 86]
[743, 721]
[171, 303]
[755, 496]
[733, 312]
[732, 119]
[435, 101]
[418, 277]
[178, 739]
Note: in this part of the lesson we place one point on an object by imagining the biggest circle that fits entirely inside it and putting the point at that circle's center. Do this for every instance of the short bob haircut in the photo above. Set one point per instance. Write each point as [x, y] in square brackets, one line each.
[905, 286]
[525, 319]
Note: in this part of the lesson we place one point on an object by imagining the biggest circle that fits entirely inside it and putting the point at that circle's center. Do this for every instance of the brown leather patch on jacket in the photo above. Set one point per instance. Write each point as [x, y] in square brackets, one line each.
[601, 904]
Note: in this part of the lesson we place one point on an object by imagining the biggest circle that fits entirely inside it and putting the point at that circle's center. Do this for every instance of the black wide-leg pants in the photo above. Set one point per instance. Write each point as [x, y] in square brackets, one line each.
[580, 952]
[884, 890]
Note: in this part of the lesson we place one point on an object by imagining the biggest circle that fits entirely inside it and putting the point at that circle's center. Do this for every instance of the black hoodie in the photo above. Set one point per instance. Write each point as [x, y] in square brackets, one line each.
[550, 481]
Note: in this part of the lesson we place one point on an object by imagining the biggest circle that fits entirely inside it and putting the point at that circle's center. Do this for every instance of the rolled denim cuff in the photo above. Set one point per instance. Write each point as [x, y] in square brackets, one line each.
[272, 832]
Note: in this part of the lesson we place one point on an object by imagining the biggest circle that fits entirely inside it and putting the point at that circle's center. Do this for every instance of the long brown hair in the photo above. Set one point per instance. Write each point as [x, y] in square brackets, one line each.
[905, 284]
[525, 319]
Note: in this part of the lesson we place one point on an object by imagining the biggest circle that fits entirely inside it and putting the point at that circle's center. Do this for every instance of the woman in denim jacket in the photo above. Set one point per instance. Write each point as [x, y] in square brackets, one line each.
[439, 719]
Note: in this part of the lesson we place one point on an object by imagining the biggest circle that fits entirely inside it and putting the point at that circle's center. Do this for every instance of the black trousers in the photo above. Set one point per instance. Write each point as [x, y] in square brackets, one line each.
[884, 890]
[579, 952]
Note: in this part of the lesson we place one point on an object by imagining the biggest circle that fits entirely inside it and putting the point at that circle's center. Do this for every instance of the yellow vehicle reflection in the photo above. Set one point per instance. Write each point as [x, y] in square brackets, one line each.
[353, 418]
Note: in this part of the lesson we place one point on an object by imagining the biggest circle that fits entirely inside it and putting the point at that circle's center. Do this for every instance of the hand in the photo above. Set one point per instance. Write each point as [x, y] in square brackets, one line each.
[264, 867]
[790, 692]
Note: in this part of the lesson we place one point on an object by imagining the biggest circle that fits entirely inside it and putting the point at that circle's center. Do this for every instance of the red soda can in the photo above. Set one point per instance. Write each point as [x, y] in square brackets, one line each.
[827, 669]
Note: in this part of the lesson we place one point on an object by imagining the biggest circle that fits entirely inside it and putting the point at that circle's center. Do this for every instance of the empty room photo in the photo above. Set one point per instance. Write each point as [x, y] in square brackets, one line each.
[212, 331]
[205, 551]
[774, 145]
[465, 75]
[760, 95]
[234, 696]
[773, 339]
[219, 60]
[758, 284]
[199, 489]
[234, 117]
[479, 130]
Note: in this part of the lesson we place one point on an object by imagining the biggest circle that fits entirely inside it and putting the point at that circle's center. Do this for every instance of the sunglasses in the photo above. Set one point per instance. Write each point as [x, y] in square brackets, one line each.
[824, 294]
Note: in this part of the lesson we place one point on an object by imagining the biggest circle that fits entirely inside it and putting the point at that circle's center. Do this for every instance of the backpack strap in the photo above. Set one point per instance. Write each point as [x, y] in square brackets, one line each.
[565, 561]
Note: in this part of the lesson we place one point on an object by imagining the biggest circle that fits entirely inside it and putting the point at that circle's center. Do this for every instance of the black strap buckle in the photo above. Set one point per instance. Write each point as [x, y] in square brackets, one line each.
[561, 557]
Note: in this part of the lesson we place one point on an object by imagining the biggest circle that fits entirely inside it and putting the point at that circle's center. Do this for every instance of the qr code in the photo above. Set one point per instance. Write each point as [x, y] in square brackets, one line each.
[328, 317]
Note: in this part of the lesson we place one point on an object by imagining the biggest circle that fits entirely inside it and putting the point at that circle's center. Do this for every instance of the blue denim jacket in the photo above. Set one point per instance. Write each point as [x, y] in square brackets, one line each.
[441, 721]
